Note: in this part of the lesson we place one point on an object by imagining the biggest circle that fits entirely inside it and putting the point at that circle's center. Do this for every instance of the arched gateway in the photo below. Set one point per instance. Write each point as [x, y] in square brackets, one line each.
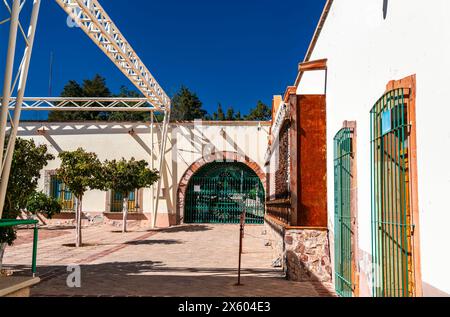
[218, 188]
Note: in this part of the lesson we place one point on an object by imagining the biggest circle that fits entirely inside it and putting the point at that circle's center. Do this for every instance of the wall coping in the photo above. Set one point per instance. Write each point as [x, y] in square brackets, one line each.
[292, 228]
[13, 284]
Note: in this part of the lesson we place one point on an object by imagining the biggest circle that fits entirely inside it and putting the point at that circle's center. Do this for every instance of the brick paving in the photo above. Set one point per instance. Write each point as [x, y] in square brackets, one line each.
[191, 260]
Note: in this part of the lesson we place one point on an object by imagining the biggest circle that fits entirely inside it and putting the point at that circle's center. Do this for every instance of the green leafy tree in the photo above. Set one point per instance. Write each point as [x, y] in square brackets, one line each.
[43, 204]
[80, 171]
[125, 176]
[71, 89]
[126, 116]
[186, 106]
[238, 116]
[260, 113]
[95, 88]
[28, 161]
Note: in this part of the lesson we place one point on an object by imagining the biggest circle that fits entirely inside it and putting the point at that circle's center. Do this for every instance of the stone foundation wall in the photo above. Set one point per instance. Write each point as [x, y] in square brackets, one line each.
[304, 254]
[308, 255]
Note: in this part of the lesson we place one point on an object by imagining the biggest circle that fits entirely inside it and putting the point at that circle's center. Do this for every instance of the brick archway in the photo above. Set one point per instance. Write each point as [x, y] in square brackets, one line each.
[215, 157]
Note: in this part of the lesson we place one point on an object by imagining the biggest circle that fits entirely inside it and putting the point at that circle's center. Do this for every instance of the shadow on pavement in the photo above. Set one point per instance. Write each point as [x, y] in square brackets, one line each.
[186, 228]
[154, 279]
[154, 242]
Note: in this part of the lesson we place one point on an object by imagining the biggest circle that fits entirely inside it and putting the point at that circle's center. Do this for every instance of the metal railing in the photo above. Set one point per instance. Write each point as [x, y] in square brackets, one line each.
[9, 223]
[280, 209]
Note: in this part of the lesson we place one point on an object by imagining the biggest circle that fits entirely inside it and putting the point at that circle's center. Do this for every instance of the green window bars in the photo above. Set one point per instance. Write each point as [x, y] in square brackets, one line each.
[219, 192]
[117, 202]
[391, 207]
[59, 191]
[343, 157]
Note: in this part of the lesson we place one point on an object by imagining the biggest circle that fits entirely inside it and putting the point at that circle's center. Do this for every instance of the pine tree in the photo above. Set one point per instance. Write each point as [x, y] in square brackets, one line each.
[95, 88]
[230, 114]
[220, 114]
[186, 106]
[260, 113]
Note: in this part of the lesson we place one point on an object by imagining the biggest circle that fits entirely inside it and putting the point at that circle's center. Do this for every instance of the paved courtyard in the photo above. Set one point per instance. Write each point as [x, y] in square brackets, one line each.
[190, 260]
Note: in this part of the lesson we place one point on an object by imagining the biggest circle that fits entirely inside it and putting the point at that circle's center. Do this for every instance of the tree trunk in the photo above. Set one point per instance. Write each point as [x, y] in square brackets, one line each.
[125, 214]
[2, 252]
[79, 240]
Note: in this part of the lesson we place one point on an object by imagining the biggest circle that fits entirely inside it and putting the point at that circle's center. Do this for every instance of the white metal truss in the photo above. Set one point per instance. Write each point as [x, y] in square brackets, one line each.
[95, 22]
[162, 154]
[17, 85]
[84, 104]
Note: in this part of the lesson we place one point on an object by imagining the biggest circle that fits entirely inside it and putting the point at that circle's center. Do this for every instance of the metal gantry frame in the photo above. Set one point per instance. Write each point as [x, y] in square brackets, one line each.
[84, 104]
[95, 22]
[10, 85]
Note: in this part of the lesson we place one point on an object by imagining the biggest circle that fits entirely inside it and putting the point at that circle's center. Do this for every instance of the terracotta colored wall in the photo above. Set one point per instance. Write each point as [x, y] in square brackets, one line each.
[311, 161]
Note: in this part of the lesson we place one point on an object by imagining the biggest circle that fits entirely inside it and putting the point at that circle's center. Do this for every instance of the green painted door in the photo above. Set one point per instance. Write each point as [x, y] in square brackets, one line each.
[391, 204]
[219, 192]
[342, 218]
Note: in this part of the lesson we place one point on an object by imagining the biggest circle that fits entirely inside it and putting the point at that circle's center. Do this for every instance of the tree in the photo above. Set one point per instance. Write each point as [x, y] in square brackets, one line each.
[126, 116]
[238, 116]
[28, 161]
[230, 114]
[124, 177]
[219, 115]
[186, 106]
[71, 89]
[95, 88]
[80, 171]
[260, 113]
[43, 204]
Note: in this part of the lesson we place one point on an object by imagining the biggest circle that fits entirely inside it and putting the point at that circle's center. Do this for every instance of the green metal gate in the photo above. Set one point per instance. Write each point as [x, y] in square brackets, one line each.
[219, 192]
[343, 154]
[391, 207]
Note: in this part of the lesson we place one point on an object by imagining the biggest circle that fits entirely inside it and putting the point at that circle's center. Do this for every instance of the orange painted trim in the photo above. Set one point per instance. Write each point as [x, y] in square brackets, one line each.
[320, 64]
[291, 90]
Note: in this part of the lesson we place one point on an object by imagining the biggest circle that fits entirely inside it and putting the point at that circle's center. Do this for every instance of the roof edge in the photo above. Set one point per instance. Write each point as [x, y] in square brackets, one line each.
[312, 45]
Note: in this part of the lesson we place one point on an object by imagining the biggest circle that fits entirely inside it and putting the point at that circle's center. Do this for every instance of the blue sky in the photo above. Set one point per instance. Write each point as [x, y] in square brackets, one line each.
[235, 52]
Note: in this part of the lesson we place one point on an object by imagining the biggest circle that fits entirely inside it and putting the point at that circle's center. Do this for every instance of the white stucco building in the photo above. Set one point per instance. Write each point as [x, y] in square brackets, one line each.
[191, 146]
[366, 45]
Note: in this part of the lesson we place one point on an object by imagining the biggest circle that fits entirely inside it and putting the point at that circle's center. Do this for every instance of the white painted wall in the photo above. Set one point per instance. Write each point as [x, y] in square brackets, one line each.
[188, 143]
[364, 52]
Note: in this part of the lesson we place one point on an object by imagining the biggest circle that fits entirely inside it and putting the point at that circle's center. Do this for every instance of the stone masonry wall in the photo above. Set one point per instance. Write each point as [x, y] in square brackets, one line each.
[308, 255]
